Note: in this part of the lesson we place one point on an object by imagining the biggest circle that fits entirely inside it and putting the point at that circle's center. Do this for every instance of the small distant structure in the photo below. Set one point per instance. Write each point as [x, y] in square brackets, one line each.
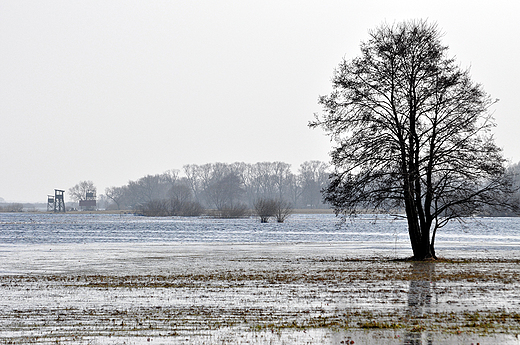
[50, 203]
[59, 200]
[89, 203]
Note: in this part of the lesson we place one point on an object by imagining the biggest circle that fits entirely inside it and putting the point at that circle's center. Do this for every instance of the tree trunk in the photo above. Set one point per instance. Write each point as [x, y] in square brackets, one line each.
[419, 238]
[432, 248]
[422, 250]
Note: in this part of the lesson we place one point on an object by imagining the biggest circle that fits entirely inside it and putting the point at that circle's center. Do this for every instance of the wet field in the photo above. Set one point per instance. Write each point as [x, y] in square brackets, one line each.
[253, 293]
[247, 292]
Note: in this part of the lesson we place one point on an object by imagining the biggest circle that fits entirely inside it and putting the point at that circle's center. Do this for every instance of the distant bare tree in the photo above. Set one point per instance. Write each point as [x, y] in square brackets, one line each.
[282, 174]
[265, 179]
[514, 172]
[225, 191]
[79, 191]
[151, 187]
[181, 201]
[314, 177]
[147, 188]
[181, 191]
[192, 172]
[117, 195]
[169, 178]
[294, 189]
[283, 210]
[265, 209]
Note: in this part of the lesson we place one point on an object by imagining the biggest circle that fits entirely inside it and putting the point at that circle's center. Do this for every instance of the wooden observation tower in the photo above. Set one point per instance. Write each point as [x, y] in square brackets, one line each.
[50, 203]
[59, 201]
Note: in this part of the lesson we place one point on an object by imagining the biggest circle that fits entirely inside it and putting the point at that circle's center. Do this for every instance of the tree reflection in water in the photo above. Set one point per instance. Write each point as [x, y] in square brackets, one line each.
[420, 300]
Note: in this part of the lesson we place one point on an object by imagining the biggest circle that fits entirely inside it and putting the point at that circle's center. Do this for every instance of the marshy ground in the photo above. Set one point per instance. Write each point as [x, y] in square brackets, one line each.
[256, 294]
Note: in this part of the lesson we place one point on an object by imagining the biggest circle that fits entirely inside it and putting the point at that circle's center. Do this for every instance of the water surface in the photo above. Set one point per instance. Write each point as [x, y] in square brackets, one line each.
[25, 228]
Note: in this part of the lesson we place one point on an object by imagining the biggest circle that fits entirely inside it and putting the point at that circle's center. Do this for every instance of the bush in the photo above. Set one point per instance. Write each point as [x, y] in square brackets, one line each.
[233, 211]
[265, 209]
[172, 207]
[283, 210]
[185, 208]
[269, 208]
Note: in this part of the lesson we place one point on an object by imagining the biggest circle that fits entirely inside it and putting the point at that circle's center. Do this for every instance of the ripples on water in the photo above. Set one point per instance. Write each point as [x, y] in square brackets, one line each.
[23, 228]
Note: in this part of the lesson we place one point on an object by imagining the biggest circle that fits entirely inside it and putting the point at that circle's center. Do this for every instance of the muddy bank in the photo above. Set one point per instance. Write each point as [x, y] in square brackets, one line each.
[256, 293]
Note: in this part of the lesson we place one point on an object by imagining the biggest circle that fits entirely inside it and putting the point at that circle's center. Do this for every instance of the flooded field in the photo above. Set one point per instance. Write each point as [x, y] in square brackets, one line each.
[326, 292]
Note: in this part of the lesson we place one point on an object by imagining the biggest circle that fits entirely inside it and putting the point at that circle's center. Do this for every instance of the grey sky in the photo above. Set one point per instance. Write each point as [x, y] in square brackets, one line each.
[110, 91]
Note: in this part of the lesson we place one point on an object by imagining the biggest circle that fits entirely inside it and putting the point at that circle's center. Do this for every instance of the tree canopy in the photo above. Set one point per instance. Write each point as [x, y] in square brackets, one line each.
[413, 132]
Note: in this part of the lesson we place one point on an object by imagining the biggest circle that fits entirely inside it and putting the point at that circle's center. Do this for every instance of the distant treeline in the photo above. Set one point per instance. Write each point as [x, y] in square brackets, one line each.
[222, 188]
[514, 171]
[12, 207]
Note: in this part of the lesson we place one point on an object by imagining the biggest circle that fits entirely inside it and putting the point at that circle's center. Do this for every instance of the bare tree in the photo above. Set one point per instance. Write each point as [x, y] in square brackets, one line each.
[281, 176]
[265, 209]
[117, 195]
[181, 191]
[79, 191]
[283, 210]
[192, 172]
[181, 201]
[293, 189]
[225, 193]
[513, 172]
[150, 187]
[413, 131]
[313, 178]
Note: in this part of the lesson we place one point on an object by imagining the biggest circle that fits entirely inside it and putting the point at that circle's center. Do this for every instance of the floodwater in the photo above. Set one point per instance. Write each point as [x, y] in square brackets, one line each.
[122, 279]
[20, 228]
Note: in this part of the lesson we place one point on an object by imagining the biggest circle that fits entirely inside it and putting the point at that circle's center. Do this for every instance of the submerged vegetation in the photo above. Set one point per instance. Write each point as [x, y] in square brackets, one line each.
[266, 295]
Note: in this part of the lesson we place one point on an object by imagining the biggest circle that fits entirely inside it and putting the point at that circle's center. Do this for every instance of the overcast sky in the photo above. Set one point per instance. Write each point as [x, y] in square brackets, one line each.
[110, 91]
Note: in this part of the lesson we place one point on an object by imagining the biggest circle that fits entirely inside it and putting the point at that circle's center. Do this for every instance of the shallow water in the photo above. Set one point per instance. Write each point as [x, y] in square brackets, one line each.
[22, 228]
[111, 279]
